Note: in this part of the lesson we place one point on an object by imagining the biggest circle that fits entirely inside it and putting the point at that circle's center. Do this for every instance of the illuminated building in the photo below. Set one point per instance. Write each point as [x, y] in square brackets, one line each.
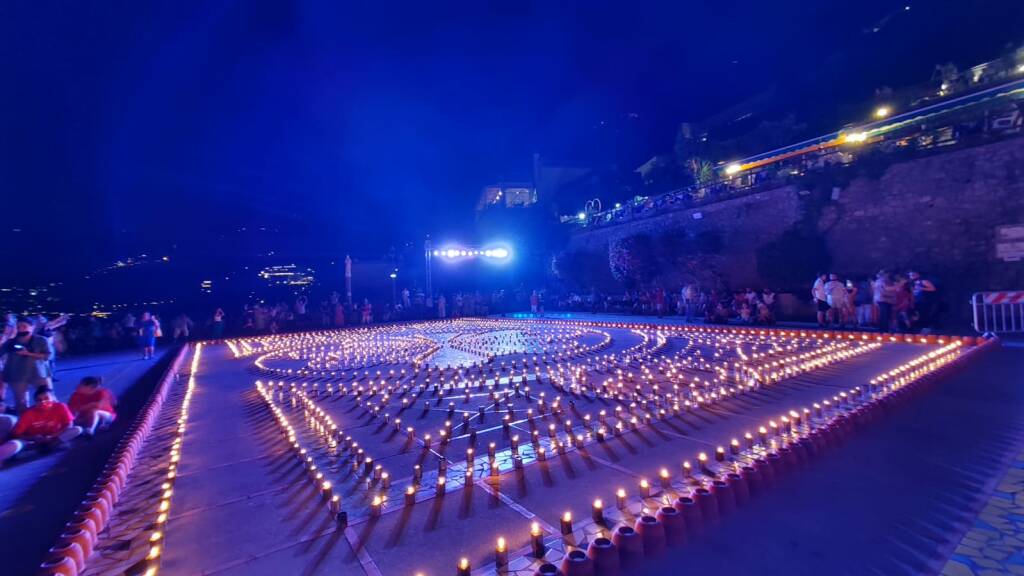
[288, 275]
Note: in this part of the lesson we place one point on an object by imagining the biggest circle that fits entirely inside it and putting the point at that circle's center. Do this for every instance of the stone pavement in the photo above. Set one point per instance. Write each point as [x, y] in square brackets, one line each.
[995, 543]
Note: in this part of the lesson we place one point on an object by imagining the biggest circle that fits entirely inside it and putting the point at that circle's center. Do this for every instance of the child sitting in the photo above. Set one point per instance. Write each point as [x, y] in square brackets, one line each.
[92, 405]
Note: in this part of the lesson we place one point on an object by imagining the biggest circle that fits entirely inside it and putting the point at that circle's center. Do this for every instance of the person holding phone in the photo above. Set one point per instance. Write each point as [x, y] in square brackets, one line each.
[27, 363]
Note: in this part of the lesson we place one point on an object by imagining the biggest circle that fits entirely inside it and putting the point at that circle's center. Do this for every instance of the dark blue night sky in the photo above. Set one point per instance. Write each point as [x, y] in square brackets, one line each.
[131, 126]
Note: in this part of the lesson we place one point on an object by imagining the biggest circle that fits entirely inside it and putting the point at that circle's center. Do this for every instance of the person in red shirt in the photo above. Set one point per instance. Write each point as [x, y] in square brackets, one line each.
[92, 405]
[45, 426]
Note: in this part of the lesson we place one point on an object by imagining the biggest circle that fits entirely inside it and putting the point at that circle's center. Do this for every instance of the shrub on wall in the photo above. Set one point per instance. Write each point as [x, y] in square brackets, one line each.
[632, 260]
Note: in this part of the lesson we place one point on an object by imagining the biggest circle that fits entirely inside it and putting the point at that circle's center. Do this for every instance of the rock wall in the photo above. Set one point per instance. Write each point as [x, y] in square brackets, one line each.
[937, 214]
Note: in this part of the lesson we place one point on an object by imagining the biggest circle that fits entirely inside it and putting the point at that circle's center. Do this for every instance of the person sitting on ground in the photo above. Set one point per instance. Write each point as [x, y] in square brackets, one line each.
[92, 405]
[746, 314]
[45, 426]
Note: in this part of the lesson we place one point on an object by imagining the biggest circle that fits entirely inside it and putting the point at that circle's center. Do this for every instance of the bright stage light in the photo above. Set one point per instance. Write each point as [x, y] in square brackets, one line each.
[498, 253]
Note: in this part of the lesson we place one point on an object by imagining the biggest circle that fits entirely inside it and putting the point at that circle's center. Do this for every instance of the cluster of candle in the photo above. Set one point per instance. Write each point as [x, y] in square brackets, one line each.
[320, 482]
[790, 433]
[665, 372]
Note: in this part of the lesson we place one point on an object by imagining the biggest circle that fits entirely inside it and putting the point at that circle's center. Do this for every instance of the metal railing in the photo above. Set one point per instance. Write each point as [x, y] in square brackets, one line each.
[998, 312]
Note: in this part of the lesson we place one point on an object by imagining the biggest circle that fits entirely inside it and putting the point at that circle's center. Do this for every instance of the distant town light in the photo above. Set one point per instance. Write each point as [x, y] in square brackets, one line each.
[882, 112]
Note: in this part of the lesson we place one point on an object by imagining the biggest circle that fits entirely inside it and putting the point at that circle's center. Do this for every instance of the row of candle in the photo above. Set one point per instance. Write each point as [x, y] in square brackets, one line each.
[797, 429]
[156, 535]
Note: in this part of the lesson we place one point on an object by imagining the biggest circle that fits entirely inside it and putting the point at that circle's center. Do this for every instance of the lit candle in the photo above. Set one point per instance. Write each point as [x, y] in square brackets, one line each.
[500, 553]
[566, 523]
[620, 499]
[645, 488]
[537, 540]
[463, 567]
[597, 510]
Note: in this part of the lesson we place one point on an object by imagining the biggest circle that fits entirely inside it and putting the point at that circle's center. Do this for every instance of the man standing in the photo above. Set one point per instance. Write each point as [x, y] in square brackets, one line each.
[820, 296]
[27, 363]
[147, 331]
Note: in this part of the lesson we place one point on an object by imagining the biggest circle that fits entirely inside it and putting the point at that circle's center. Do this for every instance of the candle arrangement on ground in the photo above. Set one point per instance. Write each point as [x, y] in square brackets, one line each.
[597, 443]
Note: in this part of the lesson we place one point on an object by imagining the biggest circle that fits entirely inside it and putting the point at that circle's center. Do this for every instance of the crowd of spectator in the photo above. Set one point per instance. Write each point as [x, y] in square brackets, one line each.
[42, 422]
[888, 302]
[749, 306]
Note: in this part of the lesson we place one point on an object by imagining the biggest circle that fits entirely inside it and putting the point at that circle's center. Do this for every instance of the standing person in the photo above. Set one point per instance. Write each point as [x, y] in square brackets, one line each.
[691, 297]
[884, 294]
[182, 327]
[863, 302]
[26, 366]
[300, 310]
[442, 305]
[925, 300]
[217, 326]
[44, 426]
[837, 297]
[367, 311]
[147, 329]
[534, 301]
[659, 301]
[904, 307]
[339, 314]
[821, 299]
[92, 405]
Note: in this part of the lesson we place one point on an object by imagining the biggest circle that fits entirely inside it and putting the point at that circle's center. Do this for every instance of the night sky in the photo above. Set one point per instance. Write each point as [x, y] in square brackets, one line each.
[346, 126]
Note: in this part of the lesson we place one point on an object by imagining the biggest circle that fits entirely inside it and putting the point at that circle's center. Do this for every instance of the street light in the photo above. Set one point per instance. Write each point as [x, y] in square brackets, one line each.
[882, 112]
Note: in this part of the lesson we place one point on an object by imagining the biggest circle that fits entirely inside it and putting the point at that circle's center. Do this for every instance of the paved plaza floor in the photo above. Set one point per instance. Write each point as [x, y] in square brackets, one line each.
[575, 412]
